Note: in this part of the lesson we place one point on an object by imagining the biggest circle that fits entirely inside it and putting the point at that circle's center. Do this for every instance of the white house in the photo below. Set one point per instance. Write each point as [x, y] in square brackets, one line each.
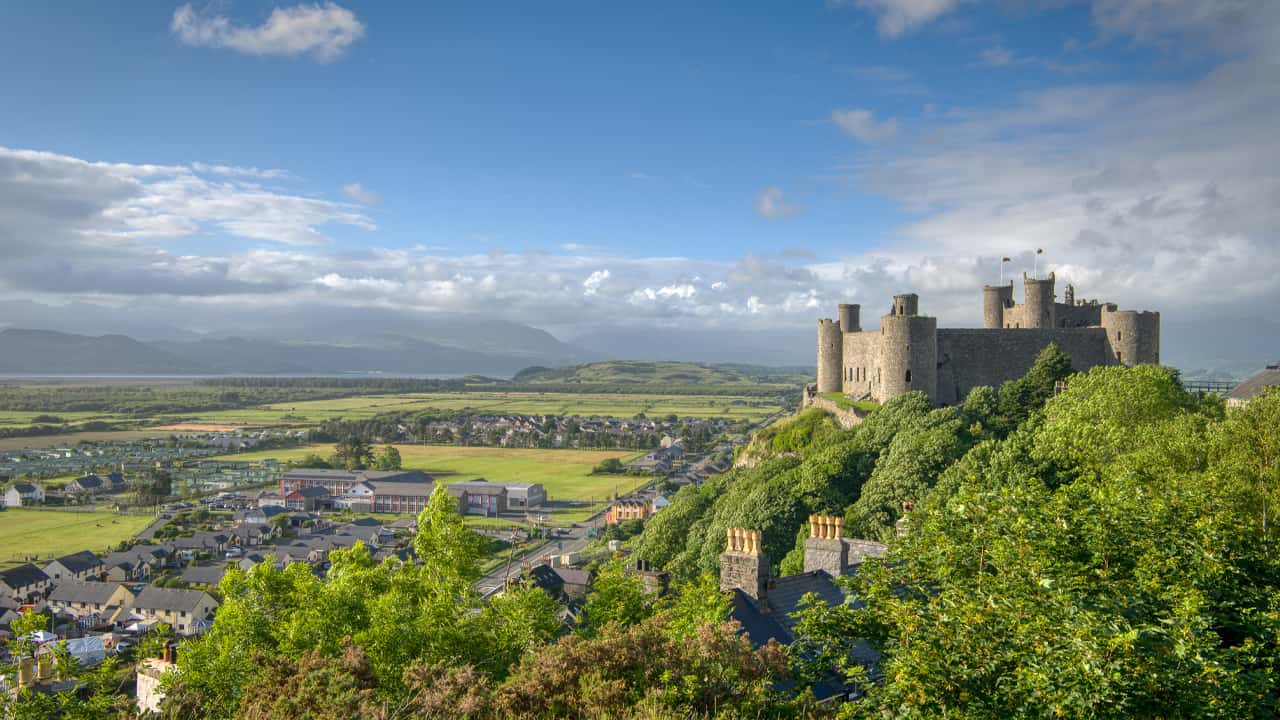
[23, 494]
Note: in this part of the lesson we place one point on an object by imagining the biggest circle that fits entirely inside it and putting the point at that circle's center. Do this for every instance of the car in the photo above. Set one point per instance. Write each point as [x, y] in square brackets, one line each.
[122, 646]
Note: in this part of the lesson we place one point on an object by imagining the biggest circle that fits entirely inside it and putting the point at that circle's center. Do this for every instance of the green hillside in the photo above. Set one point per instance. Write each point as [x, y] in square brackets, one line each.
[620, 372]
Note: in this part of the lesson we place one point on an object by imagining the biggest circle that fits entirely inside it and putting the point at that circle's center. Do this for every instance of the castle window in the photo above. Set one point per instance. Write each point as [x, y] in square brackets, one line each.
[908, 376]
[1119, 356]
[1119, 335]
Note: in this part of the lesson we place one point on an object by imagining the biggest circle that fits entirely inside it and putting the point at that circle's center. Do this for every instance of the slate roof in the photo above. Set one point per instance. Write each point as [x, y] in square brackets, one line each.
[573, 577]
[22, 576]
[1254, 386]
[79, 562]
[25, 488]
[479, 487]
[204, 574]
[169, 599]
[75, 591]
[89, 482]
[398, 487]
[309, 492]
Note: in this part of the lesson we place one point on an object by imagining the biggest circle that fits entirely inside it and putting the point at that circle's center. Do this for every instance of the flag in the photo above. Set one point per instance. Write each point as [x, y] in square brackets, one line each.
[1039, 251]
[1006, 259]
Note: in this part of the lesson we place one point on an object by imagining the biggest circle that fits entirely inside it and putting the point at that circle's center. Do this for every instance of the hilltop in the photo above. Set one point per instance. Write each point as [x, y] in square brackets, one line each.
[660, 373]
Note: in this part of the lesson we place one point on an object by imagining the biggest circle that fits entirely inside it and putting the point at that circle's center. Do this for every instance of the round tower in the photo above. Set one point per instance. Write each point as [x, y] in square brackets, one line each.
[1039, 310]
[1134, 336]
[908, 355]
[995, 298]
[830, 356]
[906, 305]
[849, 318]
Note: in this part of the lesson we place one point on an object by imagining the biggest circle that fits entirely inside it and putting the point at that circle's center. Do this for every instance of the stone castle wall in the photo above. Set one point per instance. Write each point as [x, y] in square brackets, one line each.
[908, 352]
[969, 358]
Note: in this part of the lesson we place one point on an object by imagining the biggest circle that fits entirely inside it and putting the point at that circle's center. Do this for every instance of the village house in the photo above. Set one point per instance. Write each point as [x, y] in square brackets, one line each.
[766, 607]
[90, 603]
[1241, 394]
[628, 509]
[188, 612]
[23, 494]
[24, 584]
[83, 565]
[306, 499]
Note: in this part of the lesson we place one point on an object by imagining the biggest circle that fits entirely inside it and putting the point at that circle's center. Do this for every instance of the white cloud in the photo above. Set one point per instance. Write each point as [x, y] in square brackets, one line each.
[771, 204]
[897, 17]
[356, 192]
[592, 284]
[324, 32]
[862, 125]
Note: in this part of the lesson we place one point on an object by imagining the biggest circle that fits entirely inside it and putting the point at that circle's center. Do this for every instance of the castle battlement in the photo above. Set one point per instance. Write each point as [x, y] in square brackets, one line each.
[909, 352]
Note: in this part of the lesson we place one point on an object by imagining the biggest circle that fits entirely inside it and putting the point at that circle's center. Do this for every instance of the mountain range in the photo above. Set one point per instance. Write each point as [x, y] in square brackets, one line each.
[89, 339]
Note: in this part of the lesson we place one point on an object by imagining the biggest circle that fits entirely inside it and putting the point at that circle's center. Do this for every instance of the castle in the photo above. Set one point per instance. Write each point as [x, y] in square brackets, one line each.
[910, 352]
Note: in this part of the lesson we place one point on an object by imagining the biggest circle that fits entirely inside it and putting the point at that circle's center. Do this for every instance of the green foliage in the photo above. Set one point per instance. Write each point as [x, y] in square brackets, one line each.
[609, 466]
[314, 461]
[153, 643]
[694, 605]
[388, 458]
[915, 459]
[617, 597]
[447, 549]
[352, 453]
[1020, 397]
[1136, 584]
[1102, 413]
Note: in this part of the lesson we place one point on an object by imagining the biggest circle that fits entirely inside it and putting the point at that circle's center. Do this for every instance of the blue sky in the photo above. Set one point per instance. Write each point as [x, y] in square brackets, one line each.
[438, 156]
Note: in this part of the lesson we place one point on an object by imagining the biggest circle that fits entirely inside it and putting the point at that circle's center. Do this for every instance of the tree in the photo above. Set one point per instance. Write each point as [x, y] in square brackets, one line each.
[314, 460]
[388, 458]
[448, 550]
[155, 486]
[616, 597]
[609, 466]
[353, 453]
[1247, 447]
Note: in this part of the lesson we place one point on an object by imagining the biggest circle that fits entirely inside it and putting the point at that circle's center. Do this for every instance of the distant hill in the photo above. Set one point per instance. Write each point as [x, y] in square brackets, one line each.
[55, 353]
[658, 373]
[44, 352]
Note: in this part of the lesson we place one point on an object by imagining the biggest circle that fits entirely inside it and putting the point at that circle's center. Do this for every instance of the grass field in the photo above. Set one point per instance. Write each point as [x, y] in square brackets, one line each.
[52, 533]
[566, 474]
[314, 411]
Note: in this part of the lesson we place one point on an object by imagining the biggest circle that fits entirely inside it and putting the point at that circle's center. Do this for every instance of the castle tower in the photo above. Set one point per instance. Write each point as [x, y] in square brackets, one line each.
[830, 356]
[743, 564]
[1134, 336]
[995, 298]
[908, 355]
[1039, 310]
[849, 320]
[908, 304]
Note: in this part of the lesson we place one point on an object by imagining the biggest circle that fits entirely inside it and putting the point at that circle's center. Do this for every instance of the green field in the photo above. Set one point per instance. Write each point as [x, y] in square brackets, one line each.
[312, 412]
[47, 534]
[614, 405]
[566, 474]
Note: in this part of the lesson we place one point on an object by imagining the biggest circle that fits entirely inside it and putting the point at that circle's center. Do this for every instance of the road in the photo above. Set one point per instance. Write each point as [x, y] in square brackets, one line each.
[570, 540]
[575, 539]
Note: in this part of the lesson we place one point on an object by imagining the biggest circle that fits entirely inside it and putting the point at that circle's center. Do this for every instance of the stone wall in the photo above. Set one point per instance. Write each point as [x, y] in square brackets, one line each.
[969, 358]
[844, 418]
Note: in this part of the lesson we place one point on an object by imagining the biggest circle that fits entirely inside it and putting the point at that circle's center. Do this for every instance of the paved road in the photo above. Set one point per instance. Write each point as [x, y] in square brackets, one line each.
[575, 539]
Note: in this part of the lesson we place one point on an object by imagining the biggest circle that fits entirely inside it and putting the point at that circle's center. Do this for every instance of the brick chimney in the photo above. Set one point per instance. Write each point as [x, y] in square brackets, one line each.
[825, 549]
[743, 564]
